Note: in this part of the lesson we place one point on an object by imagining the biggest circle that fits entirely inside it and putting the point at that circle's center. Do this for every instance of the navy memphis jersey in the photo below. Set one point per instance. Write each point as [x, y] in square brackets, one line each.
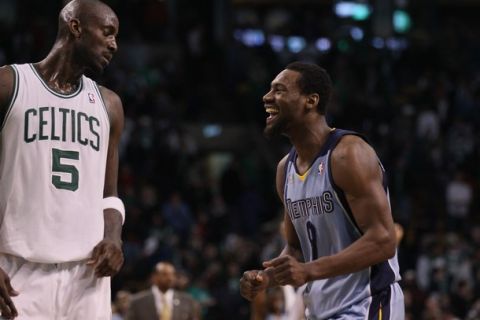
[325, 225]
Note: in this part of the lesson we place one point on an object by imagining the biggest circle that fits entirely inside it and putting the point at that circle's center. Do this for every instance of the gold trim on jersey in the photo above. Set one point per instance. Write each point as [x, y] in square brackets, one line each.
[302, 177]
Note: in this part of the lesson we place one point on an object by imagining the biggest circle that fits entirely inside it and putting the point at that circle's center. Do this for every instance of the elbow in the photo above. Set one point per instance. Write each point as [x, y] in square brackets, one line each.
[387, 245]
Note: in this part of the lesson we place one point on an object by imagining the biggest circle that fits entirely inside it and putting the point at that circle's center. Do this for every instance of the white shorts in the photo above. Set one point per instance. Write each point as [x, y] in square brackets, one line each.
[57, 291]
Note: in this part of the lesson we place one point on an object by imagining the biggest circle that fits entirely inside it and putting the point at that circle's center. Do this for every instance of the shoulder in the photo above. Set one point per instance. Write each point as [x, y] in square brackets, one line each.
[142, 295]
[114, 106]
[186, 301]
[280, 176]
[7, 73]
[7, 83]
[352, 148]
[183, 295]
[281, 165]
[354, 164]
[112, 100]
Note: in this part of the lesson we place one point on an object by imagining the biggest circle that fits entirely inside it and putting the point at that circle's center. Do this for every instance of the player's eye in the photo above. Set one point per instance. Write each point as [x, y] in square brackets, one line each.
[108, 32]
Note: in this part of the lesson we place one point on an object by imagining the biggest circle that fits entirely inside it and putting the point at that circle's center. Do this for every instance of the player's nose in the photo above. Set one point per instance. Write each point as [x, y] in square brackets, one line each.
[267, 96]
[112, 45]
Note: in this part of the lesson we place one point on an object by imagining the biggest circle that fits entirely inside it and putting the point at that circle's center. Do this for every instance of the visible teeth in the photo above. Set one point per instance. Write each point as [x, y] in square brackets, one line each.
[271, 110]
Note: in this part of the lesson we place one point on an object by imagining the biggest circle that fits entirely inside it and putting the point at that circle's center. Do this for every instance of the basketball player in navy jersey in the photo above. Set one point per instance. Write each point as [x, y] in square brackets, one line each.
[339, 228]
[60, 216]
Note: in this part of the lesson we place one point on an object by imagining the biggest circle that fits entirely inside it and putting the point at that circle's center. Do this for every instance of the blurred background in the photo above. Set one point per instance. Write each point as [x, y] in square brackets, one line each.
[197, 175]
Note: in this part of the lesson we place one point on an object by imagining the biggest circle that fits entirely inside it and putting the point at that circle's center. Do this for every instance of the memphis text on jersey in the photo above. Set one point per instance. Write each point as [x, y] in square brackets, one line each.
[61, 124]
[312, 206]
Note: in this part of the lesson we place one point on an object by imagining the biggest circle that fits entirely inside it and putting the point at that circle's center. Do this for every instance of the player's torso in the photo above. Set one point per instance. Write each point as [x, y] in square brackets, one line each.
[47, 126]
[53, 150]
[321, 223]
[325, 226]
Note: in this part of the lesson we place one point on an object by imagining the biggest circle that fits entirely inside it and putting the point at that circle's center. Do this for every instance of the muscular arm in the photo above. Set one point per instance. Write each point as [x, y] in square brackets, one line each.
[107, 256]
[113, 219]
[254, 282]
[292, 247]
[356, 171]
[7, 78]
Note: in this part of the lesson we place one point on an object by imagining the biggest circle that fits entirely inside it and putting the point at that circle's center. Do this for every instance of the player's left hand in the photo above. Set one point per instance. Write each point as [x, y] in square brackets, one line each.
[287, 270]
[107, 258]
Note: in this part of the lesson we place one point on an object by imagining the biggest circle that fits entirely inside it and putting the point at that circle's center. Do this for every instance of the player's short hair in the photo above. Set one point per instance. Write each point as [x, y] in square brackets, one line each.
[313, 79]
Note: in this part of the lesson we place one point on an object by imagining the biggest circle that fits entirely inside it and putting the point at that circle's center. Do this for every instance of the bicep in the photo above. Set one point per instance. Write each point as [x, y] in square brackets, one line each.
[116, 117]
[289, 229]
[356, 170]
[371, 209]
[290, 234]
[7, 79]
[280, 177]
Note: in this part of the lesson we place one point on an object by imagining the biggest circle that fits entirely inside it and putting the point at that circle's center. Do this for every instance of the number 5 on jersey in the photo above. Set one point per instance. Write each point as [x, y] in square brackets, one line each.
[58, 167]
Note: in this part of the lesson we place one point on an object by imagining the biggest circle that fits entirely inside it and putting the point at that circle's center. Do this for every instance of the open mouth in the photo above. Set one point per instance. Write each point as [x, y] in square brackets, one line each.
[272, 112]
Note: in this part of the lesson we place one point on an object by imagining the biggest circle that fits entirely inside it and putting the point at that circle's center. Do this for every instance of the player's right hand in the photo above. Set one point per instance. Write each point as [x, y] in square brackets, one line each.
[7, 307]
[252, 282]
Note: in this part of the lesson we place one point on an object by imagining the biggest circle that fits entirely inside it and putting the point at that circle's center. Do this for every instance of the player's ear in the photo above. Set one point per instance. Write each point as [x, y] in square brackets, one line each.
[75, 28]
[312, 101]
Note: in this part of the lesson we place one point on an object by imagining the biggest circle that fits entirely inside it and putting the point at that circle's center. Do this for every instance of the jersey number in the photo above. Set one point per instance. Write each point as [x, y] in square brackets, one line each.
[58, 167]
[312, 237]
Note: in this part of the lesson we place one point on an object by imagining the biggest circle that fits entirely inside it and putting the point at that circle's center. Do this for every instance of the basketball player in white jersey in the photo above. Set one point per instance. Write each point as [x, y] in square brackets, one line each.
[60, 216]
[340, 233]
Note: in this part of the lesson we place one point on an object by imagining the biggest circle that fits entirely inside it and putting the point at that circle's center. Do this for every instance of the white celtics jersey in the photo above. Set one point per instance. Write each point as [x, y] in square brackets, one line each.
[53, 151]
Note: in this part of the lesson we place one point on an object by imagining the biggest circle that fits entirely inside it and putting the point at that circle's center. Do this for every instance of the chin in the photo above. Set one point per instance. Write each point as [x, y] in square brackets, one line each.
[276, 128]
[271, 132]
[94, 72]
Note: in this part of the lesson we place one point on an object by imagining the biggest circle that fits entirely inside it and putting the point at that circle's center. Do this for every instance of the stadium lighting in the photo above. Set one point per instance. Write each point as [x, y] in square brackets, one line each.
[356, 33]
[296, 43]
[211, 130]
[250, 37]
[354, 10]
[323, 44]
[277, 43]
[401, 21]
[378, 43]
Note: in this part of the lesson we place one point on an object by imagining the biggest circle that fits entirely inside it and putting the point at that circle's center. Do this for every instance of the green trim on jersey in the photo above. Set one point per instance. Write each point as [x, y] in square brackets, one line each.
[14, 96]
[101, 98]
[60, 95]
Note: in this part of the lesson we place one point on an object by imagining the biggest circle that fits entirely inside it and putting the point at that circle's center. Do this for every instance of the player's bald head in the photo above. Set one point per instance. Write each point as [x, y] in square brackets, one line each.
[84, 11]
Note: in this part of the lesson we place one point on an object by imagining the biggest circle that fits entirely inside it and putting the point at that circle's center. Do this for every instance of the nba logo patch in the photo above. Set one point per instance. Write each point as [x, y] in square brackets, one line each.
[290, 179]
[320, 168]
[91, 98]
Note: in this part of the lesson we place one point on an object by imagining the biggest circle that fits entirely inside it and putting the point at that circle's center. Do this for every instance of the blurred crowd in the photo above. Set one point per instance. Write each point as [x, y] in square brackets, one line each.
[213, 213]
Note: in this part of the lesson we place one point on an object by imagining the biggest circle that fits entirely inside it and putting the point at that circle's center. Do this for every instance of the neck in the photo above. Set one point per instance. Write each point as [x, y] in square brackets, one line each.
[59, 69]
[309, 138]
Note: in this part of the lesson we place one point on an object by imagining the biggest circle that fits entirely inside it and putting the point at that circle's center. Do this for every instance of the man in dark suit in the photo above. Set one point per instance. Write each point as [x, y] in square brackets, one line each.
[161, 301]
